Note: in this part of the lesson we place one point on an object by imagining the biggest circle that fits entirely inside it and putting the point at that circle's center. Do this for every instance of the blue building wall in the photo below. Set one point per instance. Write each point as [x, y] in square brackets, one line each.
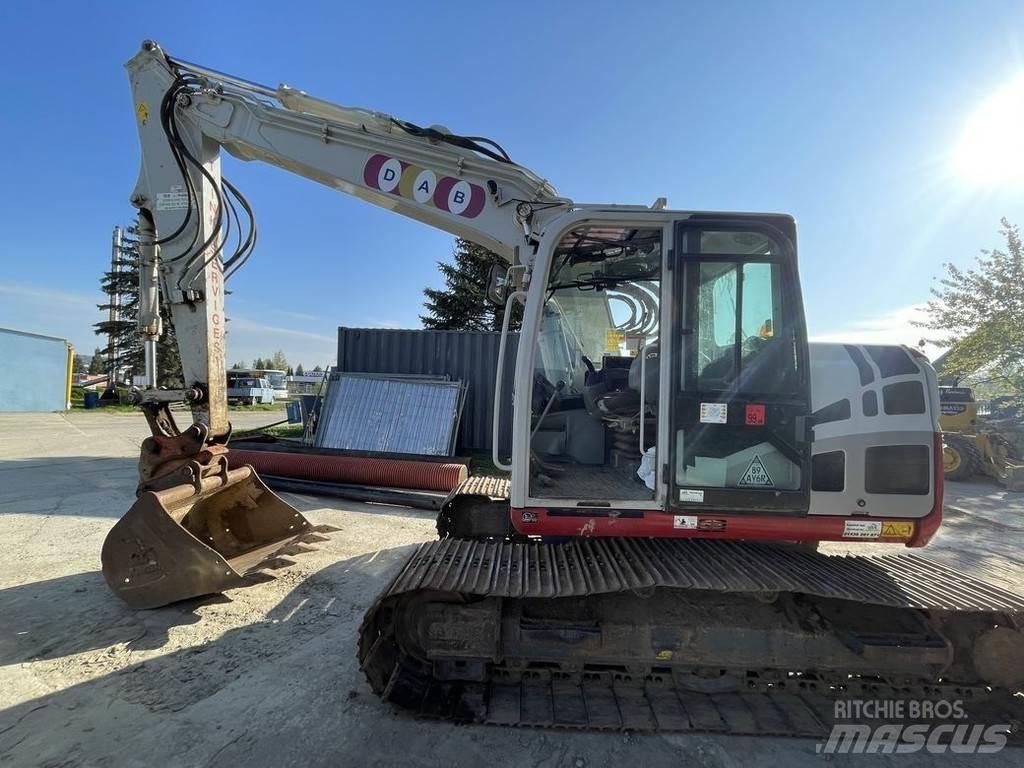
[33, 372]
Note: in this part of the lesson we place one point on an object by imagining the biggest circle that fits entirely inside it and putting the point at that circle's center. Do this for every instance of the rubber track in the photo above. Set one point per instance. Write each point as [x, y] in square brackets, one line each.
[653, 700]
[597, 566]
[655, 703]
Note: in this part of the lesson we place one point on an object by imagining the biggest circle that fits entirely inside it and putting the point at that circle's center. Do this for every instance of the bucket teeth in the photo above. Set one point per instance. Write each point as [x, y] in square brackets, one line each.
[276, 563]
[324, 529]
[258, 577]
[296, 549]
[313, 538]
[182, 542]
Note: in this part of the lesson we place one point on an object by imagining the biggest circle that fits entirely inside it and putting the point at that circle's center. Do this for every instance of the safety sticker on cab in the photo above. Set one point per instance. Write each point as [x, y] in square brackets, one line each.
[862, 529]
[686, 522]
[714, 413]
[756, 476]
[897, 529]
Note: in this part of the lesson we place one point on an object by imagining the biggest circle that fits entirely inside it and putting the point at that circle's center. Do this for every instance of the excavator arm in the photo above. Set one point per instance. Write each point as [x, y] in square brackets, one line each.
[199, 527]
[189, 213]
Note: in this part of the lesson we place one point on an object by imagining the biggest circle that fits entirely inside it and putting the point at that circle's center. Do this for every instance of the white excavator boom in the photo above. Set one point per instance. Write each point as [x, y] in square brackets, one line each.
[186, 114]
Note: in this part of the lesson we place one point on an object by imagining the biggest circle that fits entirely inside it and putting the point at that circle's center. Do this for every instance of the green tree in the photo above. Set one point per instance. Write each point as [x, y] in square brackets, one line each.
[978, 314]
[461, 305]
[318, 369]
[278, 362]
[239, 366]
[129, 352]
[258, 363]
[299, 371]
[289, 371]
[96, 364]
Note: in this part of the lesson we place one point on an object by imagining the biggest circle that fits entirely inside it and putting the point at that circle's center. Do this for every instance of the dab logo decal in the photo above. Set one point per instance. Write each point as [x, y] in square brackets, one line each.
[397, 177]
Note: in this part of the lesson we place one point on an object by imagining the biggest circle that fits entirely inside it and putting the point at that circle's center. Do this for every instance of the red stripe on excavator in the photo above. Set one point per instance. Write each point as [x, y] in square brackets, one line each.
[657, 523]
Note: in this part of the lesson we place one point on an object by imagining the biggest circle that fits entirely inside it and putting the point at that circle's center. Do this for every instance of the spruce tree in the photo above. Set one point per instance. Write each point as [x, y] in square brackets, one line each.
[461, 305]
[127, 342]
[278, 361]
[96, 364]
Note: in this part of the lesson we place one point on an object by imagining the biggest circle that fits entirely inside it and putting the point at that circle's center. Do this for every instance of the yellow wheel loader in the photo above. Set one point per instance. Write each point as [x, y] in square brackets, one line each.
[973, 444]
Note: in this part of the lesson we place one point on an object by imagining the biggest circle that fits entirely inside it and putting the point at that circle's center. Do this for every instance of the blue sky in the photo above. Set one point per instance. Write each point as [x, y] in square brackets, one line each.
[844, 116]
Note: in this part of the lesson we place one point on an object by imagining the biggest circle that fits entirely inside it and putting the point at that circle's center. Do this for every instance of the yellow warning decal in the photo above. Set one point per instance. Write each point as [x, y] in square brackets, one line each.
[142, 112]
[664, 656]
[897, 529]
[612, 340]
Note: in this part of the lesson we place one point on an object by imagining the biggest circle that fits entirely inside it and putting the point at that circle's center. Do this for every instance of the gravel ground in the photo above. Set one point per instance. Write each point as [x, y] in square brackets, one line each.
[267, 676]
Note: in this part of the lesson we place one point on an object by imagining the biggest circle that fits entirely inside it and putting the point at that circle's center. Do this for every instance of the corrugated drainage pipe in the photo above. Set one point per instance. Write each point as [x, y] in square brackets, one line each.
[391, 473]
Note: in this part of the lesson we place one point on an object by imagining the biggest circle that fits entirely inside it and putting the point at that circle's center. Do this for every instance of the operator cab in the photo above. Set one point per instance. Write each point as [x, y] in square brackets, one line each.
[596, 365]
[626, 415]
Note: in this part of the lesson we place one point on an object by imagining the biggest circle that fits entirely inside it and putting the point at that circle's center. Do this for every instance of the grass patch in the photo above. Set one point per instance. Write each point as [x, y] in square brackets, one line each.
[293, 431]
[284, 430]
[277, 405]
[125, 405]
[481, 463]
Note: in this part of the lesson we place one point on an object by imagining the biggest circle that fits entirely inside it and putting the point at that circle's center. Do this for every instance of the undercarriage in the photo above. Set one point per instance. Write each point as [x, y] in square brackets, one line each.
[685, 635]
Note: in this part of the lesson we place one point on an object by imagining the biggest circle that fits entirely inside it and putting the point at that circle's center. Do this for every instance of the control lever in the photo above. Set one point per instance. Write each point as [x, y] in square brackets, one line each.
[547, 407]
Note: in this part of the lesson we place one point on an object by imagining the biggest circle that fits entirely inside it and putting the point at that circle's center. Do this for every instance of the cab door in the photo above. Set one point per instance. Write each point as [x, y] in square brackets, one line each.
[739, 417]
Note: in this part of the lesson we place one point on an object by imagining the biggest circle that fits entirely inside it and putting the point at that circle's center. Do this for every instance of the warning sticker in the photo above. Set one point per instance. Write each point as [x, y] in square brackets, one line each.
[688, 522]
[689, 494]
[897, 529]
[754, 415]
[862, 529]
[612, 340]
[756, 476]
[711, 524]
[175, 200]
[714, 413]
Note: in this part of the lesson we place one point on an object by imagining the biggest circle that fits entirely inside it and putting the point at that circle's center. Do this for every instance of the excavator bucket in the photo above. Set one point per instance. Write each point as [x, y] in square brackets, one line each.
[202, 538]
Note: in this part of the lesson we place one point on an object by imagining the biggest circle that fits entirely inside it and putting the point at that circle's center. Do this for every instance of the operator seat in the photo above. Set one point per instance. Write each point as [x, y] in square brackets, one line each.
[616, 392]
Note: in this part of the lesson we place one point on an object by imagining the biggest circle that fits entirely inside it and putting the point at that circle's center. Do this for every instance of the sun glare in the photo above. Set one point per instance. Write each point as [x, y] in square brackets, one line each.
[991, 148]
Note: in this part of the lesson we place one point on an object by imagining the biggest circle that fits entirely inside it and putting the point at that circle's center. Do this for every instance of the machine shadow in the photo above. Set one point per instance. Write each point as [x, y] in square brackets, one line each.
[73, 614]
[298, 662]
[76, 613]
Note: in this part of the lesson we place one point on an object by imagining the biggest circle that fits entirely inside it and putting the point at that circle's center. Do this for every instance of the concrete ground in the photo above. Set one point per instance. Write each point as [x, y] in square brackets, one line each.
[267, 676]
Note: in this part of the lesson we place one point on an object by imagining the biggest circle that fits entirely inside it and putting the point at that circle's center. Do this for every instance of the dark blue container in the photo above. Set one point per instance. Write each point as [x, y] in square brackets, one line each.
[91, 399]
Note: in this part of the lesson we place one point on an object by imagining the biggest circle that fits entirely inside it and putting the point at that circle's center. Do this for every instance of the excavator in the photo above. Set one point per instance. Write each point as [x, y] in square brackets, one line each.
[678, 449]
